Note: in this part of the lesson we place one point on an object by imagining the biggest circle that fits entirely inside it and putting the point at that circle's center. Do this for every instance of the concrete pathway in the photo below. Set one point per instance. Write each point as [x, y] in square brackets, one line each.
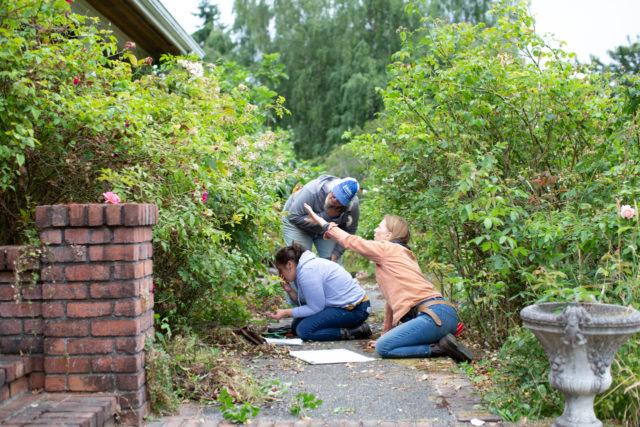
[382, 392]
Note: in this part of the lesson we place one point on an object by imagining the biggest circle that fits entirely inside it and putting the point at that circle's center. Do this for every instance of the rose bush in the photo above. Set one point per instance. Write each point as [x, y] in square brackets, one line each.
[507, 157]
[83, 122]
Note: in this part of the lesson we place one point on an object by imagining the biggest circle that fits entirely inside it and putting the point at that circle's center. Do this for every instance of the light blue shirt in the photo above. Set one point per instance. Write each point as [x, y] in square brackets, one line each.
[322, 283]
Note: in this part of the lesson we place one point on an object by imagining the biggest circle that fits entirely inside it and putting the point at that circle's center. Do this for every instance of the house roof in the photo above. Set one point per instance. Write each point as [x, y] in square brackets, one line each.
[146, 22]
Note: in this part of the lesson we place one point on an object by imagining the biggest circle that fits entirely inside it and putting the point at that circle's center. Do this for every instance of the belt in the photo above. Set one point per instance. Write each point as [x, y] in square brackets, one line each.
[424, 308]
[352, 306]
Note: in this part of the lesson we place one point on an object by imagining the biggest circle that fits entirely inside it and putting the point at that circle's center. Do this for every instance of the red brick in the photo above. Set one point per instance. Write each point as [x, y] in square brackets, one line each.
[132, 235]
[30, 291]
[147, 320]
[64, 291]
[77, 215]
[19, 386]
[148, 267]
[140, 214]
[90, 346]
[130, 345]
[76, 236]
[37, 362]
[111, 328]
[42, 217]
[99, 235]
[6, 276]
[136, 417]
[129, 364]
[36, 380]
[114, 253]
[133, 400]
[52, 310]
[33, 326]
[73, 253]
[79, 328]
[20, 344]
[7, 292]
[22, 309]
[91, 383]
[129, 271]
[53, 346]
[88, 309]
[66, 365]
[10, 327]
[130, 381]
[115, 290]
[59, 216]
[52, 237]
[86, 272]
[14, 367]
[52, 273]
[5, 393]
[11, 254]
[55, 383]
[113, 214]
[102, 364]
[95, 213]
[128, 308]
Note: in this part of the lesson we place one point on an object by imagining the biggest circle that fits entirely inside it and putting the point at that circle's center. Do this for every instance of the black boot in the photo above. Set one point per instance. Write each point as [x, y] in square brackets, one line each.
[449, 346]
[362, 331]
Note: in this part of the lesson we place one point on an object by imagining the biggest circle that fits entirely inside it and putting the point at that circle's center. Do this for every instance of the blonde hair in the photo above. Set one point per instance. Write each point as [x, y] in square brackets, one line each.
[398, 228]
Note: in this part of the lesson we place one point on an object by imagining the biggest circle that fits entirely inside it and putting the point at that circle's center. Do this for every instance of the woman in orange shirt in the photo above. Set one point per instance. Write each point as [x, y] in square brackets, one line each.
[418, 322]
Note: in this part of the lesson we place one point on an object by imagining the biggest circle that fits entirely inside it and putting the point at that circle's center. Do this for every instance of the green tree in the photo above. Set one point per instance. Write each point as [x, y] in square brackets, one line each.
[335, 53]
[625, 59]
[213, 37]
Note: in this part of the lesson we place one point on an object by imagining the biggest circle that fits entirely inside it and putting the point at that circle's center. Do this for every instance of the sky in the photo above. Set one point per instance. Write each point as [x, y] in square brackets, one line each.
[588, 27]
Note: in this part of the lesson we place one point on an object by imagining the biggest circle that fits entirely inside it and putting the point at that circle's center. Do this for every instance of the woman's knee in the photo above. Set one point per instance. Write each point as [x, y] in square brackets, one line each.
[383, 348]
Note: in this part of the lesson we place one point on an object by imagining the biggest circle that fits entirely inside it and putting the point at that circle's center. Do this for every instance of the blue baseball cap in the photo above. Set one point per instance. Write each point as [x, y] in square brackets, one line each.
[345, 190]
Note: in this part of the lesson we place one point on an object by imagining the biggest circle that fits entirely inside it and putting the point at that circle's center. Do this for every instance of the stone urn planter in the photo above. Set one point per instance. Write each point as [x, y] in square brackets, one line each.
[580, 341]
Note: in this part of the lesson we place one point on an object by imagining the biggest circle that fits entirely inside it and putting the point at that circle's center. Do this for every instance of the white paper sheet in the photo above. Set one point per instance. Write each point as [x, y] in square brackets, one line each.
[337, 355]
[284, 341]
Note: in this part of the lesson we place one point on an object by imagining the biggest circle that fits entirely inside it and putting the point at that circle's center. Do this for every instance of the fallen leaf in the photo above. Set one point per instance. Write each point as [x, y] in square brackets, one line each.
[476, 422]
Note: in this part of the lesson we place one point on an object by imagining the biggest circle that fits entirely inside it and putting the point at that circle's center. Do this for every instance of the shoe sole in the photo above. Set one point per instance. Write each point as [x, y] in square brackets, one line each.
[455, 349]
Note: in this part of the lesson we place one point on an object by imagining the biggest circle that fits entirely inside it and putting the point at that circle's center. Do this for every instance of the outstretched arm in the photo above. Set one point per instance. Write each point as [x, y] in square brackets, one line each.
[314, 218]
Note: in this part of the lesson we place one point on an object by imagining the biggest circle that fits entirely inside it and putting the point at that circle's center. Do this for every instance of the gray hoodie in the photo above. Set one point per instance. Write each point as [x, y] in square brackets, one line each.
[315, 193]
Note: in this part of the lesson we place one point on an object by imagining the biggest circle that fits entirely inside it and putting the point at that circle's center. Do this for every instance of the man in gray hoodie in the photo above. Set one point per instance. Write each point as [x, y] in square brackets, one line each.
[335, 200]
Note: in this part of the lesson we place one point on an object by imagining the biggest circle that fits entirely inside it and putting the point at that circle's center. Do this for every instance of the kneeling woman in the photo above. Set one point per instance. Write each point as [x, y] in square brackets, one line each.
[418, 322]
[330, 305]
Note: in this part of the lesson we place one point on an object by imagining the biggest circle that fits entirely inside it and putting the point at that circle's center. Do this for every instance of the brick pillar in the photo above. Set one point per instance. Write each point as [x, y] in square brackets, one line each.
[97, 300]
[20, 310]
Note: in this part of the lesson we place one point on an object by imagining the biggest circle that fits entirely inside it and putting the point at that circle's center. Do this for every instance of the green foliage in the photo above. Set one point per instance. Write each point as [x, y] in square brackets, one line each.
[236, 413]
[304, 403]
[511, 162]
[191, 138]
[335, 53]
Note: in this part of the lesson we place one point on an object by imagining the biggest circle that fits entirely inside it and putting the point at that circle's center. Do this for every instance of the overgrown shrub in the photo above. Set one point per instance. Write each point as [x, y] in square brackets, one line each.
[510, 160]
[79, 118]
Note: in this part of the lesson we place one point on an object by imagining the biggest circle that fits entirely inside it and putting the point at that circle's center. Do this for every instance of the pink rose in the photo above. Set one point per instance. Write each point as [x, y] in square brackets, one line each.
[627, 211]
[204, 196]
[76, 81]
[110, 197]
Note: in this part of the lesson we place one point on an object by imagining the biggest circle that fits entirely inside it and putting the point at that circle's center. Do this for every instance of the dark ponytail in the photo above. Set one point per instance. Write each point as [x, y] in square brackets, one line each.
[292, 252]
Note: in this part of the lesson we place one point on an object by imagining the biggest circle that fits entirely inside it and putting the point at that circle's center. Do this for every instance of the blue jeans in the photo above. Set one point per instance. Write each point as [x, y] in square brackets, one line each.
[326, 325]
[291, 233]
[413, 338]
